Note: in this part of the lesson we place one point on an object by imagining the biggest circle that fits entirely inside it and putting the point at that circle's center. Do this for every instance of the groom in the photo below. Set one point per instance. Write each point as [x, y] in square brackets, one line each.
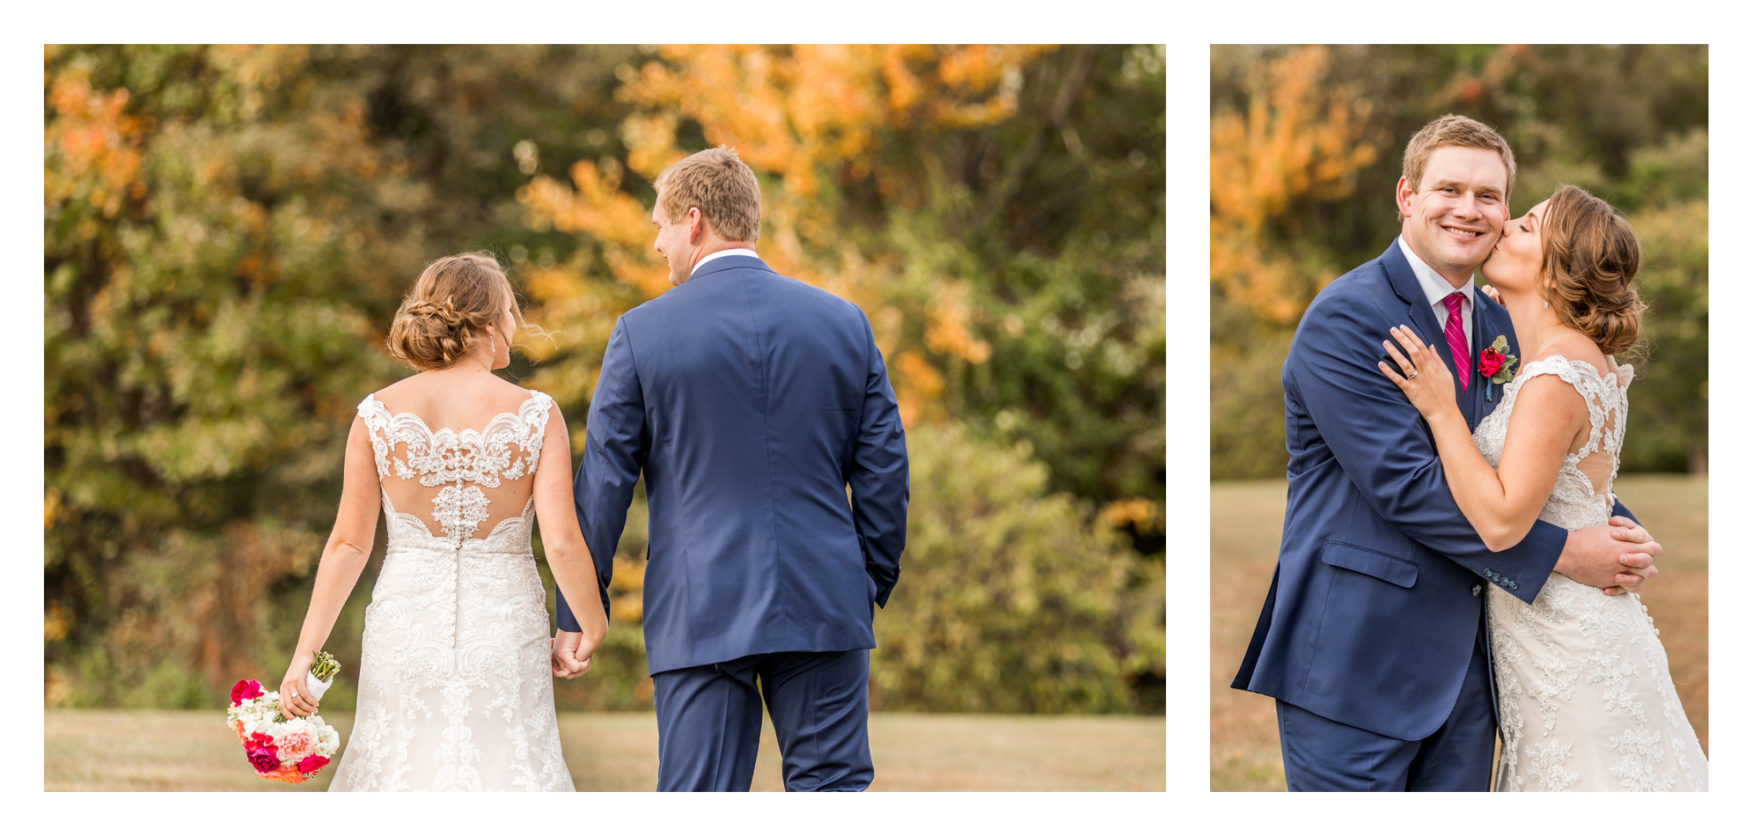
[750, 403]
[1373, 638]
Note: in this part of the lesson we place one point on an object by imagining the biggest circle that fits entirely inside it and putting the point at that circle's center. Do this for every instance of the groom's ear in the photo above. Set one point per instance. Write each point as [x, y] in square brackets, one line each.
[1402, 198]
[696, 224]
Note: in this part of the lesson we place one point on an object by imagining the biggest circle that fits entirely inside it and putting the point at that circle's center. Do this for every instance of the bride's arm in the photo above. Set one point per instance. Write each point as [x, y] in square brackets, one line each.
[1501, 503]
[345, 555]
[571, 562]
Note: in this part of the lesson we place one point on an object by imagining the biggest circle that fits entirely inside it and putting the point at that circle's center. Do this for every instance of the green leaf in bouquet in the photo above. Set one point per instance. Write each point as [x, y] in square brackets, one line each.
[324, 666]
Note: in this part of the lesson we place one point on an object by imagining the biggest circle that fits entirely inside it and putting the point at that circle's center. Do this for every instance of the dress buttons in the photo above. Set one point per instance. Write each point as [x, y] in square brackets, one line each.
[1476, 588]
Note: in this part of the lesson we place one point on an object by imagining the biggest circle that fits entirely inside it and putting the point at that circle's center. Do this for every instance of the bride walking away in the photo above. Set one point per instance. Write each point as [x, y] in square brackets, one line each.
[455, 683]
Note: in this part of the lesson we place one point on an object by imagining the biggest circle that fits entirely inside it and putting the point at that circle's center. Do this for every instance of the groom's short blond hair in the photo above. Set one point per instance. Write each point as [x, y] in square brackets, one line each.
[720, 185]
[1456, 130]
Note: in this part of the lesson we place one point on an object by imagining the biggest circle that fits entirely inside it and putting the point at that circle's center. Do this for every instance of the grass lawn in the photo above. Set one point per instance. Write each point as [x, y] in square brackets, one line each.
[1246, 521]
[193, 750]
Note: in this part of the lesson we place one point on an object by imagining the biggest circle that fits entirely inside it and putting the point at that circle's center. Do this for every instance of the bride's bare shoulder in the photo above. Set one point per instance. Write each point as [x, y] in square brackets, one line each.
[397, 388]
[1578, 347]
[454, 395]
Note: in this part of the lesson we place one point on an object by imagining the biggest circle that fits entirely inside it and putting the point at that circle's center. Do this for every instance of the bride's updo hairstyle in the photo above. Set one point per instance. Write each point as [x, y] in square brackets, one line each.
[444, 317]
[1589, 258]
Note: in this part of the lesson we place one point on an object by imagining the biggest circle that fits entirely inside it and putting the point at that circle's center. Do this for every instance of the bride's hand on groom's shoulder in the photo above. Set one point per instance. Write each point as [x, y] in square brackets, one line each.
[1420, 375]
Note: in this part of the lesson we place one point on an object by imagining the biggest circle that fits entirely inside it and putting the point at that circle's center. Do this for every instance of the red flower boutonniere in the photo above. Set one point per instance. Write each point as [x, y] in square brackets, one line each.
[1496, 364]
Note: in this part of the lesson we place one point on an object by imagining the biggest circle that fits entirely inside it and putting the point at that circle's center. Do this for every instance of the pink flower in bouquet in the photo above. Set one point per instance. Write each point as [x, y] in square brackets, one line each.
[264, 759]
[312, 764]
[259, 740]
[296, 744]
[246, 689]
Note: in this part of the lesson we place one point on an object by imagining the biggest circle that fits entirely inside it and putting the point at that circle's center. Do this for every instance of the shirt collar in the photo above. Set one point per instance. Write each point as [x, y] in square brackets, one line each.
[722, 254]
[1435, 286]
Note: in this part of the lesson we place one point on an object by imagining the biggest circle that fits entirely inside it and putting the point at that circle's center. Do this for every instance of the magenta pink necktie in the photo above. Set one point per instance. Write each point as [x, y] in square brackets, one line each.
[1457, 336]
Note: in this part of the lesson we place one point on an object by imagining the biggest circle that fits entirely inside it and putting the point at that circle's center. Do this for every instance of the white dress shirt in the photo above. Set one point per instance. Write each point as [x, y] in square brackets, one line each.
[1436, 288]
[723, 253]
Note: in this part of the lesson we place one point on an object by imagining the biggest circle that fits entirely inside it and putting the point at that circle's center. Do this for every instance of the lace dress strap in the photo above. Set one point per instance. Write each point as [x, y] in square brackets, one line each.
[1590, 470]
[1604, 395]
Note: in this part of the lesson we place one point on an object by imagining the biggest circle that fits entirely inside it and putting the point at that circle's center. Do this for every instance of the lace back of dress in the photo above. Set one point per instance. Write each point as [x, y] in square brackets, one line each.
[460, 485]
[1592, 467]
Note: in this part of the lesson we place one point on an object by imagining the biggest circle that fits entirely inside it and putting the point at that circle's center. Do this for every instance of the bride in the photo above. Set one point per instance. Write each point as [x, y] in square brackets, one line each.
[456, 658]
[1584, 697]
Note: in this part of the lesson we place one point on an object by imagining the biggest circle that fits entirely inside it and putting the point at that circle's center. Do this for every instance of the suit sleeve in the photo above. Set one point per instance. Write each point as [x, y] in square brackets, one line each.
[617, 446]
[879, 477]
[1385, 448]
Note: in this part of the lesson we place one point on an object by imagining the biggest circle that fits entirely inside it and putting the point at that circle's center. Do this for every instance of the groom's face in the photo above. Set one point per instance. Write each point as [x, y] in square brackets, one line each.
[1454, 216]
[672, 240]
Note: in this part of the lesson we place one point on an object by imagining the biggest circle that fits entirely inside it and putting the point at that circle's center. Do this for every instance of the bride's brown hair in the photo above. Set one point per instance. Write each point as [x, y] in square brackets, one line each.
[445, 315]
[1589, 259]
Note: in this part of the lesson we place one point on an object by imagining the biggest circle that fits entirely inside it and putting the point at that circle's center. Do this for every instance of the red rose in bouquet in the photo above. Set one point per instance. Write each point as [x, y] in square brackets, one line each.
[246, 689]
[264, 759]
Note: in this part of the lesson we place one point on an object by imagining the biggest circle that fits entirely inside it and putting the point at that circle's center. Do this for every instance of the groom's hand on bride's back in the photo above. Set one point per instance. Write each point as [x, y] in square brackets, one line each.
[1617, 557]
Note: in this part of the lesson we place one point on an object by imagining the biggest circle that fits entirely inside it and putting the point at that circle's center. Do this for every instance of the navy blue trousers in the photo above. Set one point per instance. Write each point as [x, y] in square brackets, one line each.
[1325, 755]
[710, 717]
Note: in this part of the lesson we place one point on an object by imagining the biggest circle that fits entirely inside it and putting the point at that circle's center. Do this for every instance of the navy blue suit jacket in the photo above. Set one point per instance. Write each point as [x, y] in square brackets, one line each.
[758, 411]
[1373, 608]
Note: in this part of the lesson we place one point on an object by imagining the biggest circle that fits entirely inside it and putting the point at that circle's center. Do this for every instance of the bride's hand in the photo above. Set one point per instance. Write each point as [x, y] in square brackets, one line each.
[1423, 377]
[295, 700]
[563, 661]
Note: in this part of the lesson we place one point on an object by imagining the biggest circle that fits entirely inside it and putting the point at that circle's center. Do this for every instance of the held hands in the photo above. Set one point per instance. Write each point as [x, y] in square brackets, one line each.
[1617, 557]
[295, 700]
[1423, 377]
[571, 654]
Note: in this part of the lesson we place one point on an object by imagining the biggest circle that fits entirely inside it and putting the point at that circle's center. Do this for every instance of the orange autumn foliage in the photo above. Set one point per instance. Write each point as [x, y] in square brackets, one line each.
[98, 144]
[1296, 139]
[807, 119]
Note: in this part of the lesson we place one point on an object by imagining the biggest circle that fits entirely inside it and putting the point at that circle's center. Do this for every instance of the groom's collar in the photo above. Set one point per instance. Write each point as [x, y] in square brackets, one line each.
[749, 253]
[1434, 286]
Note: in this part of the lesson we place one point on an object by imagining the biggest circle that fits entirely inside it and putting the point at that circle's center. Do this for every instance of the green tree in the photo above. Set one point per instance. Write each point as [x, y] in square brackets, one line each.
[1013, 598]
[226, 233]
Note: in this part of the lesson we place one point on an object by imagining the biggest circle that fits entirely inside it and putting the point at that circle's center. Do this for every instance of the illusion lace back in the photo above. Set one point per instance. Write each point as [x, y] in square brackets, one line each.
[455, 688]
[1584, 697]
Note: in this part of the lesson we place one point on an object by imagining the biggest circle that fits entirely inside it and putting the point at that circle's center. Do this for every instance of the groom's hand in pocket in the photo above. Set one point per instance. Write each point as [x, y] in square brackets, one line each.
[1618, 557]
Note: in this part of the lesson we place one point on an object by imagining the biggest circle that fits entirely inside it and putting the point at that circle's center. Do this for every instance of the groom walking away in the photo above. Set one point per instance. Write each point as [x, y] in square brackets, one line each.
[1373, 636]
[749, 401]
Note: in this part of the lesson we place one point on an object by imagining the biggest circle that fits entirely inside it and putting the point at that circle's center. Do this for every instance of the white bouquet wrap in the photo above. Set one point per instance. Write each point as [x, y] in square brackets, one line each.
[321, 674]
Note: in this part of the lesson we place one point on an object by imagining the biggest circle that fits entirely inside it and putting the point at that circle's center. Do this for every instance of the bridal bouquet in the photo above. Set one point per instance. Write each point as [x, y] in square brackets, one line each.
[290, 749]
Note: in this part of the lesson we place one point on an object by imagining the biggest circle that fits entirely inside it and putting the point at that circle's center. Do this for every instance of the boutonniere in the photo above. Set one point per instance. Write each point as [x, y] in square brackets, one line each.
[1496, 364]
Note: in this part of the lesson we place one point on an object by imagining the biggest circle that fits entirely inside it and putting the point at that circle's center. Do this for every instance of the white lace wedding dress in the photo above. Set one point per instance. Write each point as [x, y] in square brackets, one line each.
[455, 689]
[1585, 700]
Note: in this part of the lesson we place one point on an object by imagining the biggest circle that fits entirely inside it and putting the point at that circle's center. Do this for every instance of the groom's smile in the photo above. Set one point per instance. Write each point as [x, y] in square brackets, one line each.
[1455, 215]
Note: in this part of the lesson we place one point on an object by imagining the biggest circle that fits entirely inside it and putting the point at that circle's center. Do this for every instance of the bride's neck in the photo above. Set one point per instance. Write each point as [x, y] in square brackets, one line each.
[469, 365]
[1536, 325]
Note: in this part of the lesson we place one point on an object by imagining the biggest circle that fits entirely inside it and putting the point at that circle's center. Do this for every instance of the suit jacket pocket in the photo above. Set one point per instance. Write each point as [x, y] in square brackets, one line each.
[1396, 571]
